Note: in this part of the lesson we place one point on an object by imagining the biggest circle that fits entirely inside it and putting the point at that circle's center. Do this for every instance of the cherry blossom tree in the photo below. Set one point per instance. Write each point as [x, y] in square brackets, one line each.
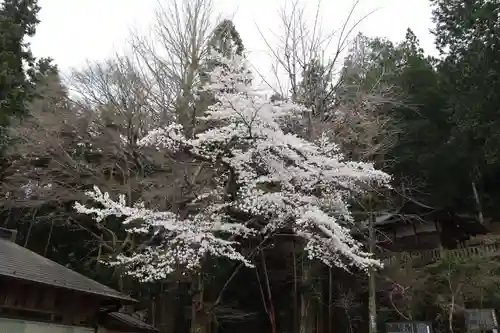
[264, 178]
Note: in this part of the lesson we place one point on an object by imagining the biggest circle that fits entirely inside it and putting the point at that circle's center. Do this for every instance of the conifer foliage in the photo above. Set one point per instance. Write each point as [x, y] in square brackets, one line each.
[18, 20]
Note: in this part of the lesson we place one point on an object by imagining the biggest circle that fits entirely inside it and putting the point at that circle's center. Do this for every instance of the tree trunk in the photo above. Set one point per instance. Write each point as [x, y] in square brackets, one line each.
[306, 308]
[49, 238]
[372, 310]
[330, 300]
[198, 318]
[295, 290]
[478, 203]
[265, 292]
[165, 307]
[372, 302]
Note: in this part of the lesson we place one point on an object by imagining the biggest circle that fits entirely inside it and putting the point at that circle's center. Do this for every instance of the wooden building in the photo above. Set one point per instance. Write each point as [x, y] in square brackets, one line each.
[418, 227]
[39, 295]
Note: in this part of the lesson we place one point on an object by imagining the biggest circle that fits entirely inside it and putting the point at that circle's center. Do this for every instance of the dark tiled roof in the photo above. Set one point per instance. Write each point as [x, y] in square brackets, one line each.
[132, 322]
[21, 263]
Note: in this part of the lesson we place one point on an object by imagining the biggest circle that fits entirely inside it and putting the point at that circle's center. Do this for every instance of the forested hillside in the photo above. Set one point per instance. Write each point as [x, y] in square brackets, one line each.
[168, 175]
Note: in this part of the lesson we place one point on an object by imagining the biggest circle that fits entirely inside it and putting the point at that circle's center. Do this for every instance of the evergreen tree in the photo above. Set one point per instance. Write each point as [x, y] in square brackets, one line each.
[18, 20]
[316, 90]
[468, 35]
[460, 24]
[226, 40]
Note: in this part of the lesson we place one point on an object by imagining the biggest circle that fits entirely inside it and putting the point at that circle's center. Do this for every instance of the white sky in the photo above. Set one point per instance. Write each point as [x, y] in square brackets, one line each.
[73, 31]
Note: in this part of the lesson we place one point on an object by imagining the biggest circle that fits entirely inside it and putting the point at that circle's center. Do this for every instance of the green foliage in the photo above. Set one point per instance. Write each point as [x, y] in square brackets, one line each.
[445, 287]
[18, 19]
[448, 104]
[420, 120]
[469, 78]
[316, 89]
[470, 281]
[459, 24]
[370, 61]
[226, 39]
[416, 113]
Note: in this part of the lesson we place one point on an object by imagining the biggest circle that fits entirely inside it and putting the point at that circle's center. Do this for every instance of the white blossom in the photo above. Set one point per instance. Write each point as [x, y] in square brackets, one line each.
[279, 177]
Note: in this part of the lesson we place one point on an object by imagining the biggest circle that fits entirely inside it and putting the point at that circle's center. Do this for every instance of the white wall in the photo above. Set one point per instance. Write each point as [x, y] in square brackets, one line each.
[23, 326]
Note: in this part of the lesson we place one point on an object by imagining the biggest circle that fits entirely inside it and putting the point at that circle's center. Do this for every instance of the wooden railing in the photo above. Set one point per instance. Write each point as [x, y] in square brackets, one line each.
[425, 257]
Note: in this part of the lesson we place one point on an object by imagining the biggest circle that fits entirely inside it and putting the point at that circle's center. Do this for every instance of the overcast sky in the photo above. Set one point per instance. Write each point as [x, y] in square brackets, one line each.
[73, 31]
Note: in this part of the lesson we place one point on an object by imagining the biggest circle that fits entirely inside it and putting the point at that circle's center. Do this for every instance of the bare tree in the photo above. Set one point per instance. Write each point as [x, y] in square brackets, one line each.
[123, 96]
[301, 41]
[172, 56]
[64, 149]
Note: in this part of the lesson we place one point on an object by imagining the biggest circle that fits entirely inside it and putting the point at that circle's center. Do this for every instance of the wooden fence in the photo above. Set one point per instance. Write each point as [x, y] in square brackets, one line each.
[425, 257]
